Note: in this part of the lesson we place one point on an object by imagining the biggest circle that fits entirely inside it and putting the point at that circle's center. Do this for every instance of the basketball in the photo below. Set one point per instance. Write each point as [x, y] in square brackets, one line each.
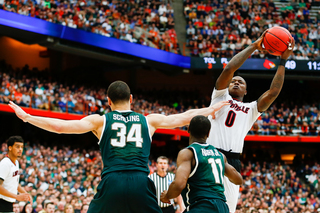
[276, 40]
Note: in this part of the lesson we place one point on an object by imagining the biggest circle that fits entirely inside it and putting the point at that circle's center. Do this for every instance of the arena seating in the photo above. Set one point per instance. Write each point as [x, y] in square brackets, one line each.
[214, 29]
[220, 29]
[65, 176]
[141, 22]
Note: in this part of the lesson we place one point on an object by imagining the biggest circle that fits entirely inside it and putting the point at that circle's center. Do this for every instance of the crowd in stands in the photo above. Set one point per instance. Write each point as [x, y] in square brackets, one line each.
[223, 28]
[30, 91]
[60, 180]
[276, 187]
[147, 23]
[27, 89]
[214, 28]
[284, 120]
[65, 180]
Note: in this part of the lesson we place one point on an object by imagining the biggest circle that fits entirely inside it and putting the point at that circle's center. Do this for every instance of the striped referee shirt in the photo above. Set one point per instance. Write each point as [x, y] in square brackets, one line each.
[162, 183]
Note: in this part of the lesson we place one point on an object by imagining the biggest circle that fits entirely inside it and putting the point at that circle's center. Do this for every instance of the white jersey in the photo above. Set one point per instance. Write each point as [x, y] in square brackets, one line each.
[9, 173]
[231, 123]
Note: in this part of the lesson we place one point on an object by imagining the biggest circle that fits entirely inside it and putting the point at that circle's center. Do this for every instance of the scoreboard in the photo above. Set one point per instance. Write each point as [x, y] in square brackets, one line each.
[254, 64]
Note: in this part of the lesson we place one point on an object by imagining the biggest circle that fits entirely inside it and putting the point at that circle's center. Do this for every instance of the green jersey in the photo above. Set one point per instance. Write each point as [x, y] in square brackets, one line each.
[206, 179]
[125, 142]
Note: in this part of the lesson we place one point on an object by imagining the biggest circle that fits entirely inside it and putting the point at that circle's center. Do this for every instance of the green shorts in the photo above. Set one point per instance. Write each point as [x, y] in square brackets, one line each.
[125, 192]
[208, 206]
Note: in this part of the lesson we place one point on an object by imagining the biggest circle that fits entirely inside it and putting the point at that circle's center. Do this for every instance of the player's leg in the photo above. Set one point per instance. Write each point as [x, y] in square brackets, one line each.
[110, 195]
[209, 206]
[231, 191]
[141, 195]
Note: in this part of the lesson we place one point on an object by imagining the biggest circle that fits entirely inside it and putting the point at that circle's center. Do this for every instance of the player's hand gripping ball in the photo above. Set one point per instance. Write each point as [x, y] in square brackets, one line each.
[277, 40]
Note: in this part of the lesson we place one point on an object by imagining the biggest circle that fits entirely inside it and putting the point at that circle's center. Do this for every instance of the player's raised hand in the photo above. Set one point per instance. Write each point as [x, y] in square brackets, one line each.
[218, 106]
[23, 197]
[163, 197]
[19, 112]
[285, 55]
[258, 42]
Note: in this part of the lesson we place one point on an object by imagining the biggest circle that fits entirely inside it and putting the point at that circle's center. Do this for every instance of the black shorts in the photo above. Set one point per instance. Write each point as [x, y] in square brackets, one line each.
[125, 192]
[6, 206]
[208, 206]
[233, 159]
[235, 163]
[169, 209]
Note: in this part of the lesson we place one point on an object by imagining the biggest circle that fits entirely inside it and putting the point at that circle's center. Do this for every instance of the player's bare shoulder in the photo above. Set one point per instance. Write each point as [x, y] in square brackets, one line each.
[97, 121]
[95, 118]
[155, 118]
[153, 121]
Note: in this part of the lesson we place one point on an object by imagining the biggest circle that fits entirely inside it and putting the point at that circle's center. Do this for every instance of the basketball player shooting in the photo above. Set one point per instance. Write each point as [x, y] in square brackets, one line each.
[232, 123]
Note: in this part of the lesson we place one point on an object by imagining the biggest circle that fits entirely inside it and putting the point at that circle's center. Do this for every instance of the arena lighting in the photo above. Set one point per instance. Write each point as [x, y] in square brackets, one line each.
[287, 157]
[50, 39]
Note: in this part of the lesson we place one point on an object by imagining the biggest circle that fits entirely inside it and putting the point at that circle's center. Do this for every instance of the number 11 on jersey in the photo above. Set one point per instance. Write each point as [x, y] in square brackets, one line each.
[214, 164]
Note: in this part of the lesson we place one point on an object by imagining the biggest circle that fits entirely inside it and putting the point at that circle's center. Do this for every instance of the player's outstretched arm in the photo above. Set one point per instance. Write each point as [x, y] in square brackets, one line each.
[267, 98]
[235, 63]
[184, 162]
[177, 120]
[230, 172]
[87, 124]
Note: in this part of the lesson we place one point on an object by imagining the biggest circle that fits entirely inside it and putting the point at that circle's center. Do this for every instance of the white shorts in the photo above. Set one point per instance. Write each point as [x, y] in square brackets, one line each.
[231, 191]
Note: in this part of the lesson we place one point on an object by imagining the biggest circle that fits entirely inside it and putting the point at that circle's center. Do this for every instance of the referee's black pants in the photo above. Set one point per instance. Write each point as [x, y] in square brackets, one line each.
[168, 209]
[6, 206]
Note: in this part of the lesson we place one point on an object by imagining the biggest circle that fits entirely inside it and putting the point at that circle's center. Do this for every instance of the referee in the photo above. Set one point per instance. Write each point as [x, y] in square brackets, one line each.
[9, 176]
[162, 179]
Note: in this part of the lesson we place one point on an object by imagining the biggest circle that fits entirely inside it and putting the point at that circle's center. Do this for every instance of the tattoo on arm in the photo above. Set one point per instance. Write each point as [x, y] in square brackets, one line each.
[277, 82]
[269, 96]
[236, 62]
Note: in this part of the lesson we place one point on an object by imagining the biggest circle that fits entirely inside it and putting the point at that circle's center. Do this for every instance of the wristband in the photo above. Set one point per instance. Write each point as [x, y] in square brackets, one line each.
[283, 62]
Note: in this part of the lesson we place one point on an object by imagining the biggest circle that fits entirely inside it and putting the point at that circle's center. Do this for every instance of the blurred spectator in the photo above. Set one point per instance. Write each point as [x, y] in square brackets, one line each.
[68, 209]
[313, 129]
[49, 207]
[84, 208]
[16, 207]
[27, 208]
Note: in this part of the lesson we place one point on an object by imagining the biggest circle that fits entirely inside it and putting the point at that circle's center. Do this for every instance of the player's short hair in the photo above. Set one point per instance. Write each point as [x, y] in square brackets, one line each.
[13, 139]
[199, 126]
[118, 92]
[162, 158]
